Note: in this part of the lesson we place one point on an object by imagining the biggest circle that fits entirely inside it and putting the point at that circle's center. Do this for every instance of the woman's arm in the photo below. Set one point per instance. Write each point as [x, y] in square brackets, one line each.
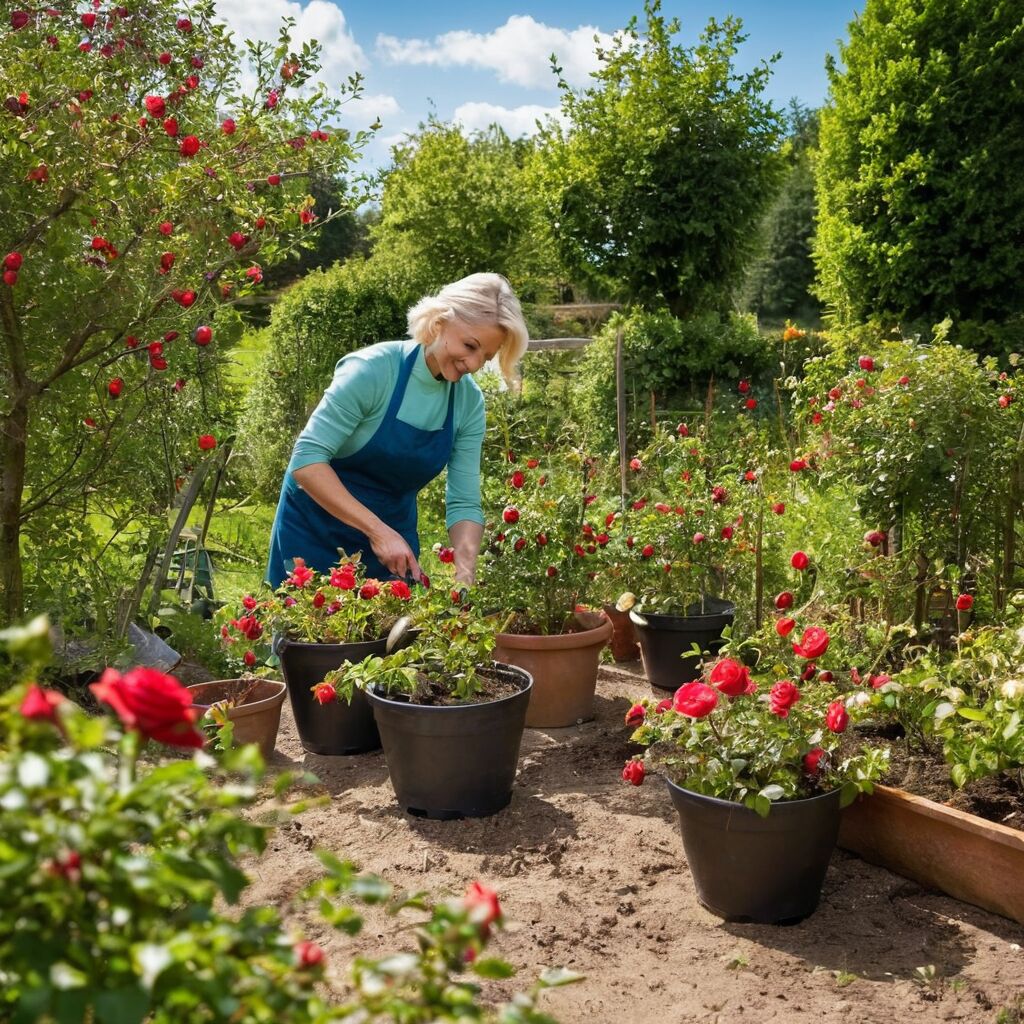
[465, 537]
[321, 483]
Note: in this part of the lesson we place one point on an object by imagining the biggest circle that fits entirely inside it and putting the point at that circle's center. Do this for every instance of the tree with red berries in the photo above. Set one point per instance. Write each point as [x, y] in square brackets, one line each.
[143, 192]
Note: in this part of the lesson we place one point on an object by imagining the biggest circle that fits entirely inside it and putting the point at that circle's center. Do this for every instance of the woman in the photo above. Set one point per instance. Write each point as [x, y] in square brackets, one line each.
[394, 416]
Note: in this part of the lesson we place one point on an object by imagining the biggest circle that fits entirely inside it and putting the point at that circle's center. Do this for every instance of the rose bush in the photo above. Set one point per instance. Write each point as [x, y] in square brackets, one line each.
[124, 878]
[757, 737]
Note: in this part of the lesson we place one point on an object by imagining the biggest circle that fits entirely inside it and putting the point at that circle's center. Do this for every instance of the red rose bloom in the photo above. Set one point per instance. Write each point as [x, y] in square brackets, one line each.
[813, 643]
[964, 603]
[635, 715]
[812, 760]
[799, 561]
[634, 772]
[207, 442]
[344, 578]
[779, 508]
[369, 590]
[866, 363]
[785, 626]
[155, 106]
[797, 465]
[782, 696]
[730, 677]
[663, 706]
[400, 589]
[157, 705]
[189, 146]
[837, 717]
[308, 954]
[517, 479]
[695, 700]
[40, 704]
[324, 693]
[510, 514]
[482, 904]
[784, 600]
[636, 465]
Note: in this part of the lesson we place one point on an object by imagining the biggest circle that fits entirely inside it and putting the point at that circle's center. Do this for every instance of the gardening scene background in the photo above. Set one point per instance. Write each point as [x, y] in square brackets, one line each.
[765, 326]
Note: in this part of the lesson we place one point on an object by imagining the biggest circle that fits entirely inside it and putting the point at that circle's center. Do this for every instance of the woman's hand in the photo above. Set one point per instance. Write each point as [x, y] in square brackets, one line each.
[393, 551]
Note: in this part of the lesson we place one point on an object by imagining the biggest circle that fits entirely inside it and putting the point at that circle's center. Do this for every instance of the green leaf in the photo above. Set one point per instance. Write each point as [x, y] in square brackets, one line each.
[121, 1006]
[958, 773]
[972, 714]
[493, 968]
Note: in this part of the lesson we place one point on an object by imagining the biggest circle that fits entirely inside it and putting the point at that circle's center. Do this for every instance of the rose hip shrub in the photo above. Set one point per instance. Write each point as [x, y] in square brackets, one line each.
[142, 191]
[336, 607]
[929, 439]
[539, 553]
[122, 880]
[756, 738]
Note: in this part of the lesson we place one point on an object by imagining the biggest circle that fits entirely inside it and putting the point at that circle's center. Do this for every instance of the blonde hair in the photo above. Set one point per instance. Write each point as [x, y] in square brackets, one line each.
[477, 299]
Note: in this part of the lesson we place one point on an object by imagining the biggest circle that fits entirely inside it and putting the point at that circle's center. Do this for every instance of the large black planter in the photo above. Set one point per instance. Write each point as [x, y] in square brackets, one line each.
[748, 868]
[664, 639]
[336, 728]
[457, 761]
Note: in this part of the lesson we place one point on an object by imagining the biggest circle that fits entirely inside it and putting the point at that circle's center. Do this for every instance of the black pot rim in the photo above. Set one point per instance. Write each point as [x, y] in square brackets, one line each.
[663, 618]
[283, 639]
[524, 678]
[832, 793]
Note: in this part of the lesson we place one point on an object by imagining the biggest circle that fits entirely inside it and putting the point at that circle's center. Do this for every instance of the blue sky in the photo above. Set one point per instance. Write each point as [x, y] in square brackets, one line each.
[477, 63]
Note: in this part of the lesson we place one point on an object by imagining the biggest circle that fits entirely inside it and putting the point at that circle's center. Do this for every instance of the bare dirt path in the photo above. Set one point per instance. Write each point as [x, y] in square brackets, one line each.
[591, 876]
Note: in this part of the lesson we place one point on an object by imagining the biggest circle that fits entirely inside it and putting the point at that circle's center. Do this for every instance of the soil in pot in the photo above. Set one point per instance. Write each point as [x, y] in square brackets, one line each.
[747, 868]
[331, 729]
[254, 711]
[454, 760]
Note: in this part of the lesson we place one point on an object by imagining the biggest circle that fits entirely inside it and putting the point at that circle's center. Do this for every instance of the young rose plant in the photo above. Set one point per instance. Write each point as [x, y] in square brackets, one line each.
[124, 877]
[756, 739]
[340, 606]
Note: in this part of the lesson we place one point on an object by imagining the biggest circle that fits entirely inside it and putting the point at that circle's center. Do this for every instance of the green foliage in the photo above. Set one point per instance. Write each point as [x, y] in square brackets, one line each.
[328, 314]
[454, 205]
[657, 185]
[921, 199]
[675, 359]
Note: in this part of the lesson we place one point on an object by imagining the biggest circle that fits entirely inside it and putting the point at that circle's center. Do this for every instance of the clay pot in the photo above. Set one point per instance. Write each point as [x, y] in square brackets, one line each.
[564, 670]
[255, 721]
[980, 862]
[623, 644]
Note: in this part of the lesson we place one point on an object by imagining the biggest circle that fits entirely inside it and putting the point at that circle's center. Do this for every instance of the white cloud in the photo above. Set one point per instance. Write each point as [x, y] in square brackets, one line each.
[517, 51]
[515, 121]
[372, 105]
[320, 20]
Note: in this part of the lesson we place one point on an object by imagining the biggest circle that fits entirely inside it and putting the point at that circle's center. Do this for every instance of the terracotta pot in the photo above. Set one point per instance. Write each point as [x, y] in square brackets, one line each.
[256, 721]
[564, 670]
[623, 643]
[977, 861]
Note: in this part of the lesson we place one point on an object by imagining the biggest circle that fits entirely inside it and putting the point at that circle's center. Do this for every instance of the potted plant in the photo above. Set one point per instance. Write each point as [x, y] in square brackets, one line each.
[674, 548]
[314, 622]
[757, 768]
[451, 720]
[538, 565]
[250, 704]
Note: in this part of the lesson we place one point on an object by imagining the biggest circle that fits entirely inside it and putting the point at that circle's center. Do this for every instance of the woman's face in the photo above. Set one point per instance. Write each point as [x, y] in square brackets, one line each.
[459, 348]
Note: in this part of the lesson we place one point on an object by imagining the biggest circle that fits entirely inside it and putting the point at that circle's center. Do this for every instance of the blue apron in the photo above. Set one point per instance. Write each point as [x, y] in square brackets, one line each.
[385, 475]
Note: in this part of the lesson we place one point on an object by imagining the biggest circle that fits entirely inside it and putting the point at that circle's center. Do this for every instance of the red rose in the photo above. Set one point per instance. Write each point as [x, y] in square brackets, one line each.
[510, 514]
[344, 578]
[249, 602]
[743, 386]
[695, 700]
[636, 465]
[639, 504]
[751, 403]
[207, 442]
[634, 772]
[19, 19]
[785, 626]
[866, 363]
[189, 146]
[837, 718]
[155, 105]
[825, 677]
[273, 179]
[369, 590]
[551, 571]
[813, 643]
[797, 465]
[482, 904]
[874, 538]
[13, 261]
[520, 544]
[171, 126]
[157, 705]
[727, 532]
[647, 551]
[799, 560]
[400, 589]
[324, 693]
[781, 697]
[779, 508]
[812, 760]
[877, 682]
[635, 715]
[730, 677]
[228, 126]
[318, 599]
[115, 387]
[185, 298]
[40, 704]
[184, 25]
[660, 506]
[784, 600]
[307, 954]
[542, 539]
[699, 538]
[249, 658]
[904, 380]
[88, 20]
[964, 603]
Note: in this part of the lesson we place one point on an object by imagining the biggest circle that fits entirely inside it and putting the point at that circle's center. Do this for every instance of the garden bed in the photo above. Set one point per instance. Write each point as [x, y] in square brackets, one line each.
[591, 877]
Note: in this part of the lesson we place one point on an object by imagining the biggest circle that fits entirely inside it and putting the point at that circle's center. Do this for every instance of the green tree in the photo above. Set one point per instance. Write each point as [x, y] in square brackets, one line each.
[656, 187]
[919, 186]
[139, 187]
[453, 205]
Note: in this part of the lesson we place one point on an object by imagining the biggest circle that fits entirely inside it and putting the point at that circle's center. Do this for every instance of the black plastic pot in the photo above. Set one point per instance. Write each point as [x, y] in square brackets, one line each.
[664, 638]
[336, 728]
[748, 868]
[457, 761]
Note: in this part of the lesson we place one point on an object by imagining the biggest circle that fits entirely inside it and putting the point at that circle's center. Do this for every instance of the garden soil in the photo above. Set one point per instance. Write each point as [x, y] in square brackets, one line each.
[591, 876]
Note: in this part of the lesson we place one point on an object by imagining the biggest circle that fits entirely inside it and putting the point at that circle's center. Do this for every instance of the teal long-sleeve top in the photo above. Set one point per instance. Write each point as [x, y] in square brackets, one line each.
[354, 405]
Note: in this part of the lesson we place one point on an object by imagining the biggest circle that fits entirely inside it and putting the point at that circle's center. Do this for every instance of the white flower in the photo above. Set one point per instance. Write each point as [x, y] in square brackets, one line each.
[944, 710]
[1012, 689]
[954, 694]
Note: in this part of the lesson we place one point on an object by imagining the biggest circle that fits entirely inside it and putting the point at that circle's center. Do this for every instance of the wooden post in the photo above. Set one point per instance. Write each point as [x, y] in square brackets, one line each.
[620, 412]
[654, 417]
